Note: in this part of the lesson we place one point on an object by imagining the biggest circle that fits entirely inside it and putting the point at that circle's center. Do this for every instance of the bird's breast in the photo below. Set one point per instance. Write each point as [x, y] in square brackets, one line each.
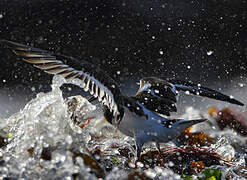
[130, 122]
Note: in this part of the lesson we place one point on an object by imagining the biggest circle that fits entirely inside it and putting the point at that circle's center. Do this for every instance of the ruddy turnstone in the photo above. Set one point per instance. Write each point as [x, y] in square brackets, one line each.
[142, 116]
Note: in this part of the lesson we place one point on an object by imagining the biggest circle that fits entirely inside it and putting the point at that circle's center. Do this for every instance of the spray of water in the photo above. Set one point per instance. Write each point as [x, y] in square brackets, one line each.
[56, 137]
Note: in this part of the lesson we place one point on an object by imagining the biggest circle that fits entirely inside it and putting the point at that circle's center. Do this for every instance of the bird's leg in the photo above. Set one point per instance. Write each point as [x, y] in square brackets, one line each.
[158, 147]
[139, 144]
[138, 150]
[138, 153]
[159, 157]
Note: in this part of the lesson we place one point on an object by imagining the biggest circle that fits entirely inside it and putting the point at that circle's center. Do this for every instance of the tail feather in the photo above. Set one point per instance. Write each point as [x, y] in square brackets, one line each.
[184, 124]
[192, 122]
[181, 122]
[197, 89]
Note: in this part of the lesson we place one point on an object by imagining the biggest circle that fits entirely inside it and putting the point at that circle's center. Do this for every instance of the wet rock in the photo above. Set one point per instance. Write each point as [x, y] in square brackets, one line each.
[126, 152]
[46, 153]
[92, 163]
[9, 178]
[136, 175]
[108, 164]
[77, 176]
[2, 162]
[3, 138]
[30, 151]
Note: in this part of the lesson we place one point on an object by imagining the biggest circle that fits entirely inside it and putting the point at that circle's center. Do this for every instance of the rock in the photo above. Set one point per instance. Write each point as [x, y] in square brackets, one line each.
[90, 162]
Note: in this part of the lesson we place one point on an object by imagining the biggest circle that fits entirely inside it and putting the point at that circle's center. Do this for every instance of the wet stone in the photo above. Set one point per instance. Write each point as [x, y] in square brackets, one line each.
[136, 175]
[90, 162]
[30, 151]
[2, 162]
[124, 151]
[77, 176]
[46, 153]
[3, 138]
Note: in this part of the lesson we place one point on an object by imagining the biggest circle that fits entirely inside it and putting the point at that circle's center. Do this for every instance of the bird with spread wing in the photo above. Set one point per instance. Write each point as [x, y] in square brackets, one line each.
[143, 116]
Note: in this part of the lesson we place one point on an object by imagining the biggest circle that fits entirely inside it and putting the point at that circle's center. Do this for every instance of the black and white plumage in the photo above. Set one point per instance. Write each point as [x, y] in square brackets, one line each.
[142, 116]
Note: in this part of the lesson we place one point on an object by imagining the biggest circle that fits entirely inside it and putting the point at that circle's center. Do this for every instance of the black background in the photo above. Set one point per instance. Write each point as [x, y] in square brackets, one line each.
[171, 38]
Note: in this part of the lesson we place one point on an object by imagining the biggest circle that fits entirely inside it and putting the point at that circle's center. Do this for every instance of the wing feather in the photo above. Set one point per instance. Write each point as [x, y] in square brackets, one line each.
[197, 89]
[160, 96]
[91, 78]
[157, 95]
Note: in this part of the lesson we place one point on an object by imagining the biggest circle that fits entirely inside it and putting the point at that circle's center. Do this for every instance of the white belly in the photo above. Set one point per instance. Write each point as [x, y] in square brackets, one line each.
[150, 129]
[129, 122]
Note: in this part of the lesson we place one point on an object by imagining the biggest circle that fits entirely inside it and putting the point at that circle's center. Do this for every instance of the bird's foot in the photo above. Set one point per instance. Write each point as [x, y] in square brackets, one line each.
[135, 162]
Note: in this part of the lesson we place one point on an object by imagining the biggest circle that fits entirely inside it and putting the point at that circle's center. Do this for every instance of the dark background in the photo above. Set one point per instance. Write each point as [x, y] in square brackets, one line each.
[205, 41]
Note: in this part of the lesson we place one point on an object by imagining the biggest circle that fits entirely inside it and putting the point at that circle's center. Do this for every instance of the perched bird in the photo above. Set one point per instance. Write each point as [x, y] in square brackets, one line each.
[142, 116]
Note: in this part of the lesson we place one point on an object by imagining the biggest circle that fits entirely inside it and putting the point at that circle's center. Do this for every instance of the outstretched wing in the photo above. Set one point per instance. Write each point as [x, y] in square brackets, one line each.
[157, 95]
[160, 96]
[197, 89]
[91, 78]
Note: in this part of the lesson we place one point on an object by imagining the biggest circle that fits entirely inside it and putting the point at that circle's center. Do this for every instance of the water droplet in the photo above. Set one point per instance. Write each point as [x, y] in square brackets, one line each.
[156, 91]
[139, 164]
[209, 53]
[170, 164]
[187, 92]
[241, 85]
[68, 139]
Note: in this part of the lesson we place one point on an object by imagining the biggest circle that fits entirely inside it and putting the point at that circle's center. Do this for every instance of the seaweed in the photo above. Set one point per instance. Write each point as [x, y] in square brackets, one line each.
[181, 160]
[230, 118]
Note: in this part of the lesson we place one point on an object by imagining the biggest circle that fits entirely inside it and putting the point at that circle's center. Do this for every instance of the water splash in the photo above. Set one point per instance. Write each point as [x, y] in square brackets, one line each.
[52, 137]
[40, 130]
[224, 148]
